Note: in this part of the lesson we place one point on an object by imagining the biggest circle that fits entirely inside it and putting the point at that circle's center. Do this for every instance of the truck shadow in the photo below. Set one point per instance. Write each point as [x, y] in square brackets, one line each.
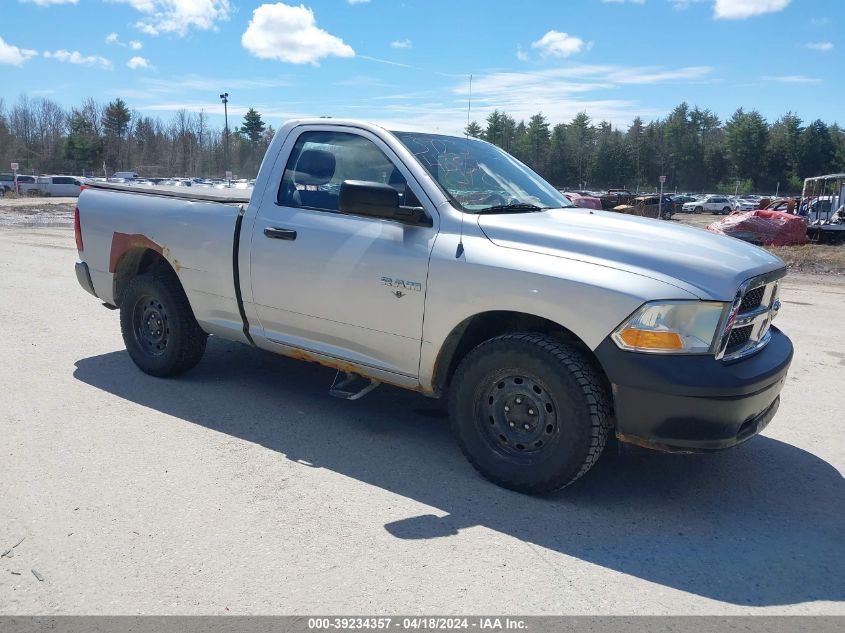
[759, 525]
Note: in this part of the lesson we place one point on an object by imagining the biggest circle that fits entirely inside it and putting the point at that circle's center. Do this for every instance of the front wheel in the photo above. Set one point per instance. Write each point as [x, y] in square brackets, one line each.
[529, 412]
[726, 210]
[159, 329]
[698, 210]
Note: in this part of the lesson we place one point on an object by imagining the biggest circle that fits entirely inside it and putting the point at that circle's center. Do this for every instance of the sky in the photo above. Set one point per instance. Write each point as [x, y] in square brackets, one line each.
[407, 63]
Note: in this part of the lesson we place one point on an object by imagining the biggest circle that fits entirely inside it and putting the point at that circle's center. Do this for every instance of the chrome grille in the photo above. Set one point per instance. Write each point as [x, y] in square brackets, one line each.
[746, 327]
[752, 299]
[739, 336]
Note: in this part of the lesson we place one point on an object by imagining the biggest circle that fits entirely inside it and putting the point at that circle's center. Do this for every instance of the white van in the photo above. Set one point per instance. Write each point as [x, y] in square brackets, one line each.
[128, 175]
[65, 186]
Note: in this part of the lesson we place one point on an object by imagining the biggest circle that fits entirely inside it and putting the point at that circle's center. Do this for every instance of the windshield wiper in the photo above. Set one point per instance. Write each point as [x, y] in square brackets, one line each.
[510, 208]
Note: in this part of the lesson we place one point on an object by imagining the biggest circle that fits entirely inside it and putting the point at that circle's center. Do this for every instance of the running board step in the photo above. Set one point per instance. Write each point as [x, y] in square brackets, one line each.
[347, 389]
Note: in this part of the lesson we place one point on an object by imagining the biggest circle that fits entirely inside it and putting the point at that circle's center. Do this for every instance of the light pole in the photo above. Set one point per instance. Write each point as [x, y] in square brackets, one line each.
[225, 99]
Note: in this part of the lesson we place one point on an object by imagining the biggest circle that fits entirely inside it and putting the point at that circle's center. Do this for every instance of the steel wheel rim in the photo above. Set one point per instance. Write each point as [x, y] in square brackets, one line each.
[151, 325]
[518, 416]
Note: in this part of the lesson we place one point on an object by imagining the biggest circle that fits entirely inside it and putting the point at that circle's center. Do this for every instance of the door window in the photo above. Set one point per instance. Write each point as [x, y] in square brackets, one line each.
[321, 161]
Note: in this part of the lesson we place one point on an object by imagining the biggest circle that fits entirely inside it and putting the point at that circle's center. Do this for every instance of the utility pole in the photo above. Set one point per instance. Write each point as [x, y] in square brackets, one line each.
[225, 99]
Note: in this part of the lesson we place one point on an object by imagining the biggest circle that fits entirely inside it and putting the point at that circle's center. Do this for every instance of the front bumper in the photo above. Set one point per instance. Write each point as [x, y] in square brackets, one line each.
[692, 403]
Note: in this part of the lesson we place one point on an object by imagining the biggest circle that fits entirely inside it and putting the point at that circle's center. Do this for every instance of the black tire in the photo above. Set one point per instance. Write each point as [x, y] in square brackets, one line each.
[698, 210]
[529, 412]
[159, 329]
[726, 210]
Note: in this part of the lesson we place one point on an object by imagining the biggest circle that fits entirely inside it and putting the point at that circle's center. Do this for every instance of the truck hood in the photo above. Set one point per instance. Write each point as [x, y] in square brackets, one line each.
[709, 266]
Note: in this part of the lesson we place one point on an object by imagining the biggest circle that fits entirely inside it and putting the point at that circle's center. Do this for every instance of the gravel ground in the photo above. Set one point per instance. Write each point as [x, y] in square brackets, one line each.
[33, 212]
[243, 488]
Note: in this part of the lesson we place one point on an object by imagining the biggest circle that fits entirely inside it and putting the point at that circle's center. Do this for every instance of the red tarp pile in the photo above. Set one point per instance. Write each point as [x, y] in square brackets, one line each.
[767, 228]
[585, 202]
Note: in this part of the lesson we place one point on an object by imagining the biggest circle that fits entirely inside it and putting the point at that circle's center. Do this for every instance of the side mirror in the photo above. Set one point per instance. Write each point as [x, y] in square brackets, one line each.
[378, 200]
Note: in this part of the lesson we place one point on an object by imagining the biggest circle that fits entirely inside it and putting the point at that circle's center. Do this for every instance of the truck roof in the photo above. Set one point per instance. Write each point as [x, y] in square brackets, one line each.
[366, 125]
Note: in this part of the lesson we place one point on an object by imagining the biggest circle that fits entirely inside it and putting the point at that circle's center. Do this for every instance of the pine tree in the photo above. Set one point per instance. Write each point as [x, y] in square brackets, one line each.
[252, 126]
[473, 130]
[817, 149]
[580, 133]
[746, 139]
[536, 144]
[116, 118]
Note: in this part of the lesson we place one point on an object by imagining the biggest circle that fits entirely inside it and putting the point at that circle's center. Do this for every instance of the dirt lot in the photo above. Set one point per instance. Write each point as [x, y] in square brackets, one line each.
[809, 258]
[37, 211]
[243, 488]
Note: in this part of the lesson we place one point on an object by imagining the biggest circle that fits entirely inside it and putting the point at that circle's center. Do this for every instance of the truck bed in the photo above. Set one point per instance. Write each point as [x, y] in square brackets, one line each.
[205, 194]
[193, 232]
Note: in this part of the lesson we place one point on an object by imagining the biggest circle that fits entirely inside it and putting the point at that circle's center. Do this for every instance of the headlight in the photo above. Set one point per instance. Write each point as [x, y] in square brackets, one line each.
[672, 327]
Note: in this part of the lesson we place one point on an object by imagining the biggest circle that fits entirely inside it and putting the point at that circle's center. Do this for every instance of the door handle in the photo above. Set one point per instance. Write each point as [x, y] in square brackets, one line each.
[280, 234]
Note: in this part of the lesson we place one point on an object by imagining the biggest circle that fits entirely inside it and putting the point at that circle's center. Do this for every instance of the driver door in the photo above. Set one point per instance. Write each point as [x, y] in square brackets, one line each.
[351, 287]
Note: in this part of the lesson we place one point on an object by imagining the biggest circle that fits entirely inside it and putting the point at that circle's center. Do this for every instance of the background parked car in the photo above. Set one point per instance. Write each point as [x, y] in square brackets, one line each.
[58, 186]
[713, 204]
[26, 185]
[7, 182]
[615, 197]
[784, 205]
[679, 201]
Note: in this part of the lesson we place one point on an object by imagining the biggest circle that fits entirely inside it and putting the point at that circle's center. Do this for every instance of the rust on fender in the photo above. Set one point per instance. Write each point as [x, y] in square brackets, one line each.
[122, 242]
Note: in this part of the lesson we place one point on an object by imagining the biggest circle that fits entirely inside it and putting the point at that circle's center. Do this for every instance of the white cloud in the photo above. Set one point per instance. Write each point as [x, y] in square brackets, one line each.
[735, 9]
[680, 5]
[200, 83]
[547, 84]
[114, 38]
[623, 1]
[146, 28]
[75, 57]
[741, 9]
[521, 55]
[819, 46]
[274, 111]
[179, 16]
[139, 62]
[290, 34]
[357, 1]
[558, 44]
[47, 3]
[14, 56]
[401, 44]
[793, 79]
[559, 93]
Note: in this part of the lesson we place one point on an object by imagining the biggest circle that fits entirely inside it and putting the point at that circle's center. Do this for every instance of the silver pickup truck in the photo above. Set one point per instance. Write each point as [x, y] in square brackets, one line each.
[443, 265]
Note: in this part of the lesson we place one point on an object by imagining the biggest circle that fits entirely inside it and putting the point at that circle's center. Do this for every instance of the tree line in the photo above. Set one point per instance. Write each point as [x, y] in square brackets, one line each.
[691, 147]
[92, 139]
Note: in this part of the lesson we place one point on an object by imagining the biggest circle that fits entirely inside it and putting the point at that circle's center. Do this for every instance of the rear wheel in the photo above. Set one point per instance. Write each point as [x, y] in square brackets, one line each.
[529, 412]
[159, 329]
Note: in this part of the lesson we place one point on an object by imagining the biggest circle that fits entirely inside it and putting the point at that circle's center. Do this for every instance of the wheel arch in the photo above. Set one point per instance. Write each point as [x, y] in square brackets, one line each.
[136, 261]
[476, 329]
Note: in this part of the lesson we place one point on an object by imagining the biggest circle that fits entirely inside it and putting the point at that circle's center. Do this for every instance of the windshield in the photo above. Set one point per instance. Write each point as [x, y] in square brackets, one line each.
[479, 176]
